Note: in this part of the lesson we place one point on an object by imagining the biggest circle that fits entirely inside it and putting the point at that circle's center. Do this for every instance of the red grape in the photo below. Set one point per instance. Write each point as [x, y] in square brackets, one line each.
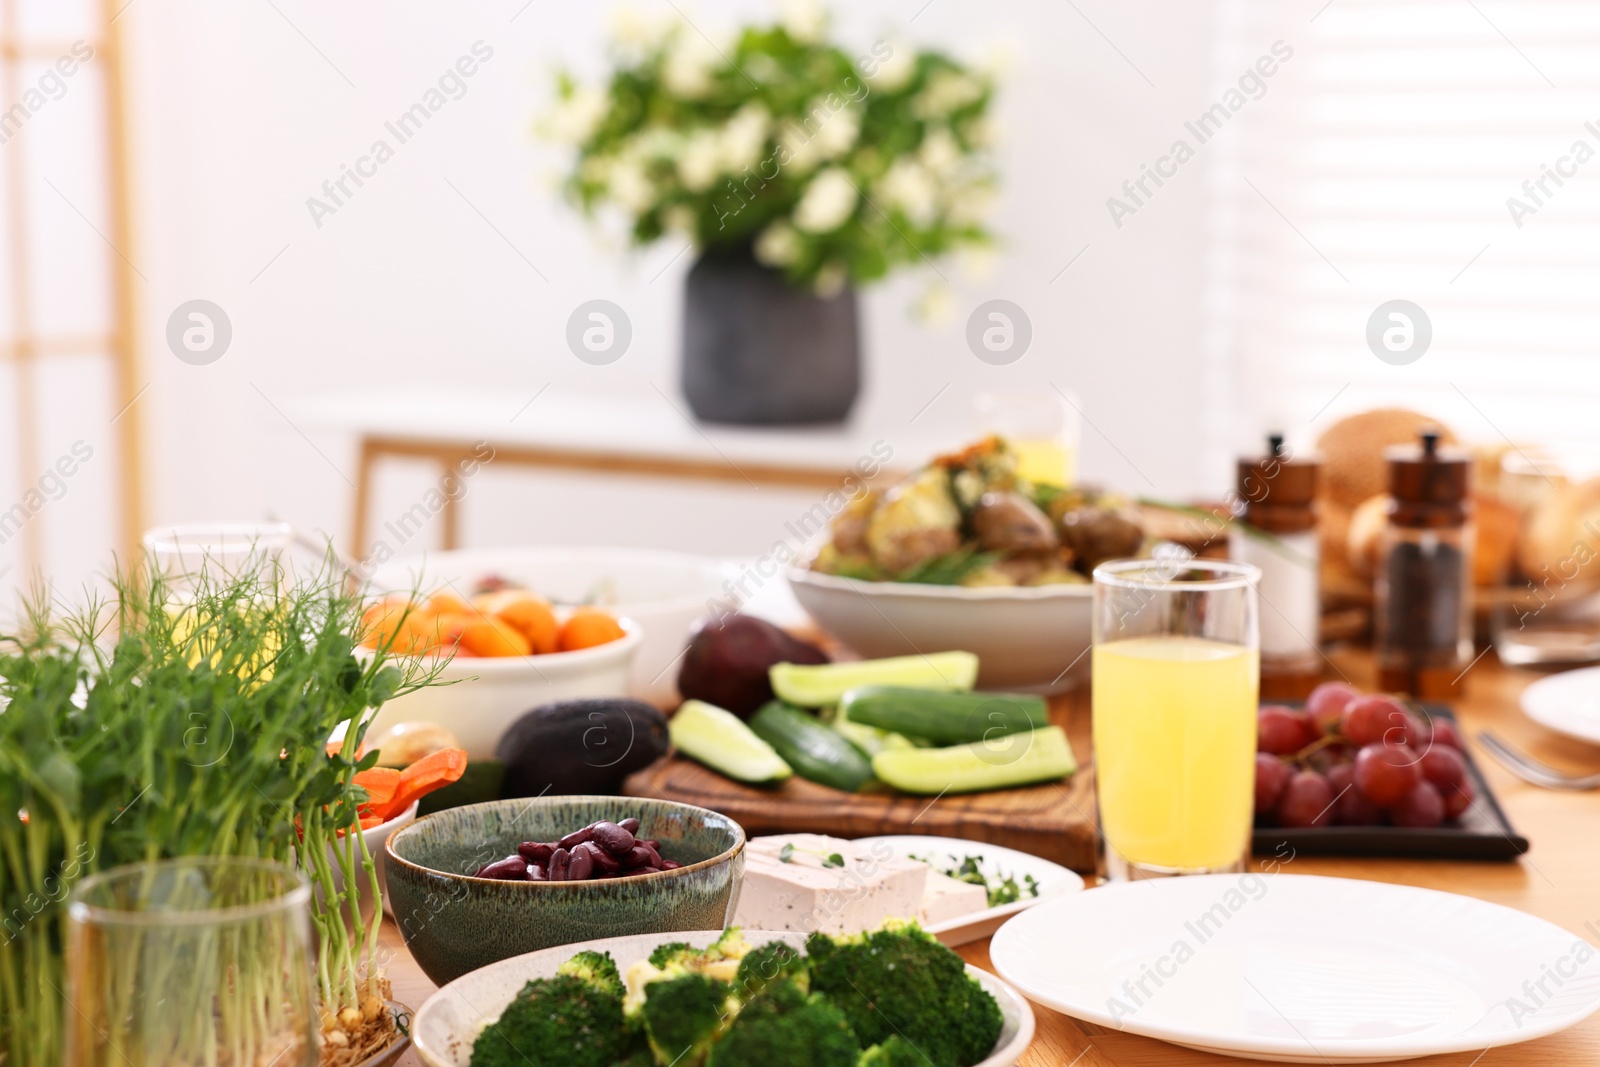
[1458, 798]
[1272, 774]
[1444, 733]
[1326, 703]
[1368, 719]
[1386, 773]
[1444, 767]
[1421, 808]
[1351, 806]
[1281, 731]
[1307, 801]
[1412, 730]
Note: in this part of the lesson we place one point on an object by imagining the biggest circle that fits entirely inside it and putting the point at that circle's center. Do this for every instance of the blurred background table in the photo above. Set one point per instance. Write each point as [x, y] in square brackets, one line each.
[638, 433]
[1557, 880]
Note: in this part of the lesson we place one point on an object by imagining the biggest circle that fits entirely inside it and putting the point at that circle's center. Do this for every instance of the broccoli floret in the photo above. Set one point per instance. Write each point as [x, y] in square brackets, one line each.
[900, 980]
[895, 1052]
[563, 1021]
[762, 966]
[782, 1027]
[597, 969]
[672, 952]
[731, 945]
[683, 1015]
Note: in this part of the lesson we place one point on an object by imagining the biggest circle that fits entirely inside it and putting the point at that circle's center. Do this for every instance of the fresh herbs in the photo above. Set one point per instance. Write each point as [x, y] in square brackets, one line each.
[1002, 888]
[150, 726]
[829, 859]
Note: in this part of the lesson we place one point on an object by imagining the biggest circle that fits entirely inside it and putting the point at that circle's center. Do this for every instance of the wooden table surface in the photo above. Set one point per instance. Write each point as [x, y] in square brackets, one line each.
[1559, 880]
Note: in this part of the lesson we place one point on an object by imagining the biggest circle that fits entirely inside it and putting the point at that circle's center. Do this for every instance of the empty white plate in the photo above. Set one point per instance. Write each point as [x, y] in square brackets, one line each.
[1299, 968]
[1568, 703]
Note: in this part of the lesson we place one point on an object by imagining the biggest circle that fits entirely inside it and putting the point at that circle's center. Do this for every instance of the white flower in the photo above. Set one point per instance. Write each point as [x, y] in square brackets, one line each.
[744, 137]
[979, 133]
[634, 33]
[909, 187]
[894, 73]
[679, 219]
[946, 91]
[830, 279]
[631, 187]
[969, 206]
[700, 160]
[778, 245]
[806, 20]
[690, 61]
[798, 147]
[838, 134]
[940, 151]
[575, 118]
[827, 202]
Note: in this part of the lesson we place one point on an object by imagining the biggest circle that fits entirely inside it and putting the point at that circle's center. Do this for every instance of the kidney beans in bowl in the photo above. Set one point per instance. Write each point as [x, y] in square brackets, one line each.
[465, 893]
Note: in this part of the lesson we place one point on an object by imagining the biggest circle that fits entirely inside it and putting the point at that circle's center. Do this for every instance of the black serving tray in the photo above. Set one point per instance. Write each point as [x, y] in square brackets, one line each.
[1481, 833]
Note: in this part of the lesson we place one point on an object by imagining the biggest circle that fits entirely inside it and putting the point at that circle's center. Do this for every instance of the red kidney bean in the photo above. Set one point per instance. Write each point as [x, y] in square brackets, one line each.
[535, 873]
[603, 860]
[558, 865]
[641, 856]
[510, 869]
[649, 842]
[577, 837]
[629, 824]
[580, 864]
[670, 865]
[613, 838]
[535, 851]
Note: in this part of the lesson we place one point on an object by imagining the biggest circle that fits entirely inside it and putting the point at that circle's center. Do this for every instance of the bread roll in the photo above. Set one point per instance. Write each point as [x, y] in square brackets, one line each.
[1496, 523]
[1560, 543]
[1367, 524]
[1353, 469]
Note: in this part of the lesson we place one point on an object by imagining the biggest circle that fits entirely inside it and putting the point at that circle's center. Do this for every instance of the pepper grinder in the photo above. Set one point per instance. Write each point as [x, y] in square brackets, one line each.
[1279, 493]
[1424, 587]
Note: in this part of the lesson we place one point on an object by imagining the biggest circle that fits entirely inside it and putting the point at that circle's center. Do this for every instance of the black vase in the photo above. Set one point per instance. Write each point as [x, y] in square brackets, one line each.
[759, 351]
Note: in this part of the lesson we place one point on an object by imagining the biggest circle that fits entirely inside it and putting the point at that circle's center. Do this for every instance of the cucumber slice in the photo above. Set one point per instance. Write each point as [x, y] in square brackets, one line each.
[1012, 760]
[869, 739]
[944, 718]
[722, 741]
[816, 753]
[808, 686]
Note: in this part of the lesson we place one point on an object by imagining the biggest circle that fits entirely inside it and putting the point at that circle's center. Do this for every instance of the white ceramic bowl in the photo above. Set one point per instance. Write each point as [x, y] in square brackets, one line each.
[1032, 638]
[666, 593]
[489, 693]
[448, 1022]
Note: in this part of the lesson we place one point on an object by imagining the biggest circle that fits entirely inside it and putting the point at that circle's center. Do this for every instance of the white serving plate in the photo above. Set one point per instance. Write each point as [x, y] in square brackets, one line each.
[448, 1022]
[1300, 969]
[666, 593]
[947, 852]
[1032, 638]
[1568, 703]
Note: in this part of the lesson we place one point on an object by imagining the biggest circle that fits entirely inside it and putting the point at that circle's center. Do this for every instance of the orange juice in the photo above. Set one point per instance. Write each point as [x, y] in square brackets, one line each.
[1175, 745]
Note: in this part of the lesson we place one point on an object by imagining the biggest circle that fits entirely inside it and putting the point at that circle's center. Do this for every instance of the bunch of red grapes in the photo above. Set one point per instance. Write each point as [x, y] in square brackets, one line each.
[1357, 759]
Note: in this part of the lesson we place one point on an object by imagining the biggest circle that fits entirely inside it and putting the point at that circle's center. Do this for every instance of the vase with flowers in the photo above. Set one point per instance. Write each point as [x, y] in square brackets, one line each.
[797, 170]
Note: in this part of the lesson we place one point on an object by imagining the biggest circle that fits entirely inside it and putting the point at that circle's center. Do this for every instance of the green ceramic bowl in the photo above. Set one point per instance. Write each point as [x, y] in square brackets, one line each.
[454, 923]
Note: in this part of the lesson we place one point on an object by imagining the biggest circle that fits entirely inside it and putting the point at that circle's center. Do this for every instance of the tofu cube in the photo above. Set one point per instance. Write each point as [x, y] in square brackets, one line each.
[790, 884]
[947, 898]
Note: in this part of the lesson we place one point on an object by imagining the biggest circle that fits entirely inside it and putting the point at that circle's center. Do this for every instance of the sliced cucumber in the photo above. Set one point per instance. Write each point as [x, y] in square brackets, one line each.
[816, 753]
[869, 739]
[818, 686]
[722, 741]
[944, 718]
[1000, 763]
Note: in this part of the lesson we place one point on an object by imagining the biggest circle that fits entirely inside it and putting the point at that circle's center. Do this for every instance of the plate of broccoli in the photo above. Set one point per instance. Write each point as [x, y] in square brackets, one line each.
[891, 997]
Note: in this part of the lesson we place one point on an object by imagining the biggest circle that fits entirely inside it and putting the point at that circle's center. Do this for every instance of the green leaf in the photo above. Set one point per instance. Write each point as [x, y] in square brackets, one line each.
[833, 860]
[786, 854]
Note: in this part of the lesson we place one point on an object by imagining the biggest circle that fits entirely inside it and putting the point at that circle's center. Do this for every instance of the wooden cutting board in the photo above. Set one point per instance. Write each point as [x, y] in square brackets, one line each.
[1055, 820]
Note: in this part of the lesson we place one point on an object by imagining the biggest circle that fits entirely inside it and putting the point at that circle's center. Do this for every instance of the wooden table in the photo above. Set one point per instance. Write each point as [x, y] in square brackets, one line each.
[1558, 880]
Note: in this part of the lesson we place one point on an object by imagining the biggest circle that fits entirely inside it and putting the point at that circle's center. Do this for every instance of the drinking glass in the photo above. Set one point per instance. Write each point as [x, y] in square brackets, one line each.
[1176, 677]
[218, 551]
[194, 961]
[1042, 428]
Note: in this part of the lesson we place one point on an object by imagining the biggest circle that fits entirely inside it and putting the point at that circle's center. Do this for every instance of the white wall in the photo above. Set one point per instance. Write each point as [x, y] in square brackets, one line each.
[241, 111]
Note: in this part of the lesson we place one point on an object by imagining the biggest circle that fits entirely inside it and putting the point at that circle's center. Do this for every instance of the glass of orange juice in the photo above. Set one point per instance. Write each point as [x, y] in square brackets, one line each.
[1042, 427]
[1176, 677]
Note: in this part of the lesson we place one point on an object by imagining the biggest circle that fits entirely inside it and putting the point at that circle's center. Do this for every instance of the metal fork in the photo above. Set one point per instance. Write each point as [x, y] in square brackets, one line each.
[1531, 770]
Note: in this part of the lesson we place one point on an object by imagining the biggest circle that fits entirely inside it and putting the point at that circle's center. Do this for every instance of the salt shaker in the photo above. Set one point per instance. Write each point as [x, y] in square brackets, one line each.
[1424, 588]
[1278, 494]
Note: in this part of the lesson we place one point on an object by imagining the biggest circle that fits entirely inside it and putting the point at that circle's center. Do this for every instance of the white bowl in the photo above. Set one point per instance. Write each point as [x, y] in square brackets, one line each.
[666, 593]
[448, 1022]
[489, 693]
[1032, 638]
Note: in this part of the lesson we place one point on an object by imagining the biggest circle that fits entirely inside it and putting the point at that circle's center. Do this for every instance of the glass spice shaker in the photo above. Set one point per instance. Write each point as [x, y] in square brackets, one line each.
[1278, 495]
[1424, 587]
